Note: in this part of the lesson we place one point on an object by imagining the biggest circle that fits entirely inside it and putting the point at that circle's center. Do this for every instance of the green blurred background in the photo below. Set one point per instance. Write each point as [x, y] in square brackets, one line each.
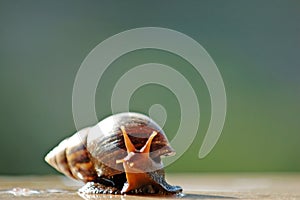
[255, 45]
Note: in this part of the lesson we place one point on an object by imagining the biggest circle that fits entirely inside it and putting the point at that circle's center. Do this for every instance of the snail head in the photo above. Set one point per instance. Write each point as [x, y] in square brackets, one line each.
[138, 163]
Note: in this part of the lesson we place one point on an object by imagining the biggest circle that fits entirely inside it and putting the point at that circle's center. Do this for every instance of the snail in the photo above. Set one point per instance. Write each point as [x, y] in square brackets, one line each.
[119, 155]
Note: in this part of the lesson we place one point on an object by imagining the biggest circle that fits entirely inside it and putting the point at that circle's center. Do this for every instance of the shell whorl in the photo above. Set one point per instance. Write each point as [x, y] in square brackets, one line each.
[71, 158]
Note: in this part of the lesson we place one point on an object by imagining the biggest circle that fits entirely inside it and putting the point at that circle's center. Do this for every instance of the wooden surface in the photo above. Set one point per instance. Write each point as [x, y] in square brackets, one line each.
[196, 186]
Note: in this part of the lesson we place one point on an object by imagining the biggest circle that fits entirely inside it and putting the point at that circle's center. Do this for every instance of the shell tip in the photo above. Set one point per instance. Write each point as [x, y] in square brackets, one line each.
[50, 158]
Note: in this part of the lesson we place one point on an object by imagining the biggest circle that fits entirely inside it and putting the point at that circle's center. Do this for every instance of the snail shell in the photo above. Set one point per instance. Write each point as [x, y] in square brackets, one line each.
[121, 154]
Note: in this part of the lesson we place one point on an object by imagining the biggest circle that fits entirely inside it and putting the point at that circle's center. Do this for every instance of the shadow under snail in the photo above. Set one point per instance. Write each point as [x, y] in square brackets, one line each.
[119, 155]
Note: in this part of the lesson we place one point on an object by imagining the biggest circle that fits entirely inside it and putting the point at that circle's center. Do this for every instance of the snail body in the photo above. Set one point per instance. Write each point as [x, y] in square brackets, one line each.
[121, 154]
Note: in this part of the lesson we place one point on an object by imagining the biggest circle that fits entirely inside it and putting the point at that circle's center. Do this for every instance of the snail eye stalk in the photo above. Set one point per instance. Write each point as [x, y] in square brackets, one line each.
[146, 147]
[129, 146]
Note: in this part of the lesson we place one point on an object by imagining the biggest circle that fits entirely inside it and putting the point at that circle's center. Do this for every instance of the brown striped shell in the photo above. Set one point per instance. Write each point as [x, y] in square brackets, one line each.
[90, 155]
